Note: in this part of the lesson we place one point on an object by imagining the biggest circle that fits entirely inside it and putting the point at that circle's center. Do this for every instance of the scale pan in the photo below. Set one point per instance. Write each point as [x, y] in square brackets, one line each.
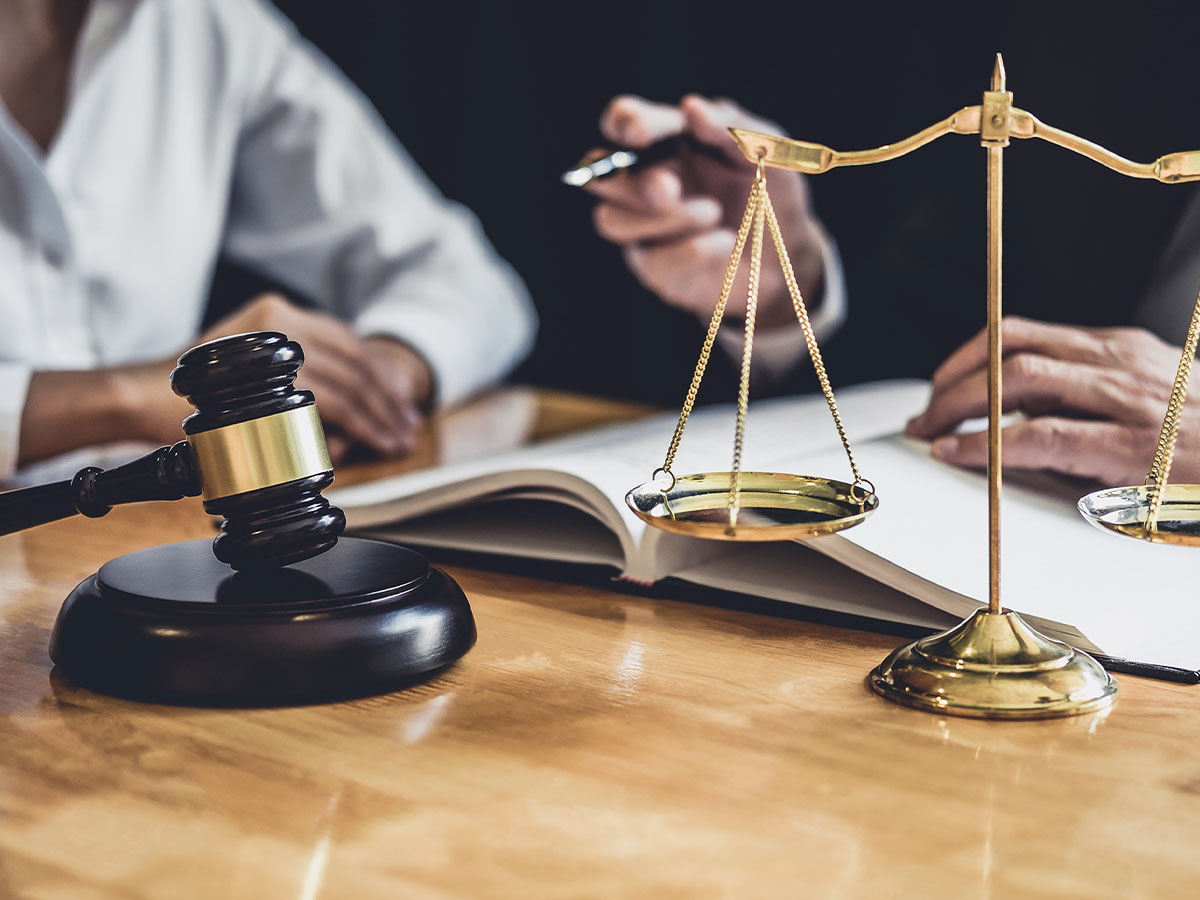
[1124, 510]
[773, 506]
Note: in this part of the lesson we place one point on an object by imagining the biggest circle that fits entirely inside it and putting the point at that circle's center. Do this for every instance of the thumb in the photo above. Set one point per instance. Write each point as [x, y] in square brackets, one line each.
[636, 122]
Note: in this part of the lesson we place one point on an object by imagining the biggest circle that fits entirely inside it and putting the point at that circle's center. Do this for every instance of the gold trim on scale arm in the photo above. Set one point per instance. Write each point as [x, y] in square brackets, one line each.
[814, 159]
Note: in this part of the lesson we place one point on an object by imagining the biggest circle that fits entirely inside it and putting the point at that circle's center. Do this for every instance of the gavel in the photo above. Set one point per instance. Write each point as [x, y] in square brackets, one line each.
[255, 449]
[285, 612]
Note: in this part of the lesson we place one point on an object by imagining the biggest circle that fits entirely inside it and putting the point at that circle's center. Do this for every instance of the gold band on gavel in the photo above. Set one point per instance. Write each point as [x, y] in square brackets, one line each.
[260, 453]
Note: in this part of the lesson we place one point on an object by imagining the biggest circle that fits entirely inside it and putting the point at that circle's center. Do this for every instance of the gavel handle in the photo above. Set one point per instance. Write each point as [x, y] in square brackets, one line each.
[166, 474]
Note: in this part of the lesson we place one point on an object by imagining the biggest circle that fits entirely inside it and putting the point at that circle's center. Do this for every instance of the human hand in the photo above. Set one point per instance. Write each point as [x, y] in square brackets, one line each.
[65, 410]
[1095, 398]
[676, 221]
[369, 390]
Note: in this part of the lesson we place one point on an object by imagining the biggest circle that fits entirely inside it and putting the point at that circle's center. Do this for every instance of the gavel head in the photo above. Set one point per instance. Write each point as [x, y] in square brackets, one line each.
[259, 449]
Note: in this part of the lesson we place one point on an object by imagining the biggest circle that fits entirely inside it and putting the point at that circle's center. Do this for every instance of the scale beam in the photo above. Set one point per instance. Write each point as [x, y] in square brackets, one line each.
[814, 159]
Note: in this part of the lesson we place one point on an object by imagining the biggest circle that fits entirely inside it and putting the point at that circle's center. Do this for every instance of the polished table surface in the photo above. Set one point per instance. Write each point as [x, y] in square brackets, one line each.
[593, 744]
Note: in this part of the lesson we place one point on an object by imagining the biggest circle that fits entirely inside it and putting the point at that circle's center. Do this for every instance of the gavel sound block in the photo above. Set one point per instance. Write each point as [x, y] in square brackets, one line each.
[277, 609]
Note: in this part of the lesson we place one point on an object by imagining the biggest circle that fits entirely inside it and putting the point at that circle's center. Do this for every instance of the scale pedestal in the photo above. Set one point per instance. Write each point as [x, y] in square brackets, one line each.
[995, 666]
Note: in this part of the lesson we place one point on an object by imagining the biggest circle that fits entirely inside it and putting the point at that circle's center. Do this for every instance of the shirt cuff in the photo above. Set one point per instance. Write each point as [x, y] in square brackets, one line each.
[777, 350]
[14, 386]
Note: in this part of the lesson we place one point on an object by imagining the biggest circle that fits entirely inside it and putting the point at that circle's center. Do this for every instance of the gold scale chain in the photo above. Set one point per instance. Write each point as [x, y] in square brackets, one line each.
[1164, 454]
[714, 326]
[743, 400]
[759, 211]
[814, 352]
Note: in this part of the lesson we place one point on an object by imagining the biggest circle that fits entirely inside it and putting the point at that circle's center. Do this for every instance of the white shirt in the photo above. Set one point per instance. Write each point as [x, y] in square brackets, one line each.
[196, 127]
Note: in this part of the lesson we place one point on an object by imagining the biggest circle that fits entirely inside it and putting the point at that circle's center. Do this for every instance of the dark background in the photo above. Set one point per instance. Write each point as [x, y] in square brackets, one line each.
[495, 99]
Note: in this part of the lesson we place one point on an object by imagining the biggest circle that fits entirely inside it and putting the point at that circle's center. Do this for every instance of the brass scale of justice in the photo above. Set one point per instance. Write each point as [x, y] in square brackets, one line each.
[993, 664]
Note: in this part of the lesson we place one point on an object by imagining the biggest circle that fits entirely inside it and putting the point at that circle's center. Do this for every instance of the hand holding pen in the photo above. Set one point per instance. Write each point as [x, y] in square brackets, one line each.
[675, 211]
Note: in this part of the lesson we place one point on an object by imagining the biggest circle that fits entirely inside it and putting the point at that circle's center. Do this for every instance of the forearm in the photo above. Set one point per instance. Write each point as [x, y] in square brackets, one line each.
[66, 410]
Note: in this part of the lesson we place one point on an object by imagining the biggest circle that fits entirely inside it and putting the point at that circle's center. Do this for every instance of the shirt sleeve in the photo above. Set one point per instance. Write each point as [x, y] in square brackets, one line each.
[327, 202]
[778, 350]
[14, 385]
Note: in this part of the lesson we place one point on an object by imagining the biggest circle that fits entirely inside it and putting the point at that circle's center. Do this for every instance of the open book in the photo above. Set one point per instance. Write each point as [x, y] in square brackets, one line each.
[920, 559]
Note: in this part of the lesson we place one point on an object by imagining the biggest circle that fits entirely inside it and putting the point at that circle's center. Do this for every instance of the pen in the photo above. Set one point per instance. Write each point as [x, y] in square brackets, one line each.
[636, 158]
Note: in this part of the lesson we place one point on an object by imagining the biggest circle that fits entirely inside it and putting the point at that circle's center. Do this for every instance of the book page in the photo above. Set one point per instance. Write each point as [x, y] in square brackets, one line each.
[1101, 592]
[532, 528]
[794, 573]
[601, 466]
[1118, 596]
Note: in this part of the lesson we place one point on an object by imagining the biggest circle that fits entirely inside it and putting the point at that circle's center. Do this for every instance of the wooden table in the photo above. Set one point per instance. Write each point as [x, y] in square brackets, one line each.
[593, 744]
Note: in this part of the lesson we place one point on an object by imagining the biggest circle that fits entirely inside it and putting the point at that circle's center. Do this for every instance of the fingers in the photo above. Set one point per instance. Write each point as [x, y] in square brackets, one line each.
[657, 189]
[1033, 384]
[685, 273]
[1106, 451]
[405, 369]
[342, 408]
[353, 393]
[1025, 336]
[336, 352]
[709, 121]
[676, 219]
[635, 122]
[624, 224]
[338, 446]
[1110, 386]
[363, 372]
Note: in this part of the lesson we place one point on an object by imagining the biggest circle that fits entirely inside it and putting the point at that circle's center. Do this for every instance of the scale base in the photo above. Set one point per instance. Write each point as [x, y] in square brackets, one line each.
[173, 624]
[994, 666]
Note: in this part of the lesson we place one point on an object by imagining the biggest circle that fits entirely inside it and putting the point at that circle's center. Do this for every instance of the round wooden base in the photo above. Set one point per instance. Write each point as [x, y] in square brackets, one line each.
[173, 624]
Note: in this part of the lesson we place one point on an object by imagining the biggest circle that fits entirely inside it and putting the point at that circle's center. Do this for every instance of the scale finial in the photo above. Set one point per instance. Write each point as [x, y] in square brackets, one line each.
[998, 74]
